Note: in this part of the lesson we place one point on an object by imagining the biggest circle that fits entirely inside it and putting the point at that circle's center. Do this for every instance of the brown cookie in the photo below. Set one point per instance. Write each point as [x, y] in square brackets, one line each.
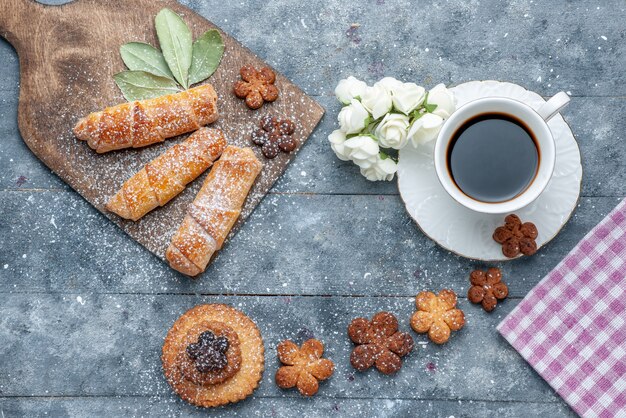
[217, 384]
[516, 237]
[487, 288]
[257, 87]
[270, 150]
[529, 230]
[502, 234]
[274, 135]
[512, 221]
[303, 366]
[511, 248]
[437, 315]
[527, 246]
[379, 342]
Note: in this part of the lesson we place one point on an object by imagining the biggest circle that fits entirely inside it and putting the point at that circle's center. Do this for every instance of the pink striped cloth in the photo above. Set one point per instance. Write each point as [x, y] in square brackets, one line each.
[571, 327]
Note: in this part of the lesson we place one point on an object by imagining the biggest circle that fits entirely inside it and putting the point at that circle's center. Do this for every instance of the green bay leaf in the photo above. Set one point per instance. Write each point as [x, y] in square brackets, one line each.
[139, 56]
[176, 44]
[206, 56]
[141, 85]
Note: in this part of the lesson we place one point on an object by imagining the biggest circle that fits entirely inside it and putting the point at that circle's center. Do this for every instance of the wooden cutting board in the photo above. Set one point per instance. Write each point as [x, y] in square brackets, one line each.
[68, 55]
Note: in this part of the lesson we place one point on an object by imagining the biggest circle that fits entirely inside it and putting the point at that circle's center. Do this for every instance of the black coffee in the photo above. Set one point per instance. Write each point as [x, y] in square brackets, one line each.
[493, 157]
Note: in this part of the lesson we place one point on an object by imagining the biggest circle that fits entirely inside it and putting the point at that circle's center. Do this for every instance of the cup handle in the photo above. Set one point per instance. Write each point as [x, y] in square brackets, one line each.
[553, 106]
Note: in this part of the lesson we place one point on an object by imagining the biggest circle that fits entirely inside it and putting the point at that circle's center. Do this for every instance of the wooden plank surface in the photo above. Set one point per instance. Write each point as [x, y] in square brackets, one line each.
[325, 245]
[597, 123]
[111, 332]
[68, 55]
[59, 243]
[278, 407]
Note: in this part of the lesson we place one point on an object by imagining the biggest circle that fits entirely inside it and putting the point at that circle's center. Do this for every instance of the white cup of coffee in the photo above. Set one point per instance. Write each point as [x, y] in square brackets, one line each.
[496, 155]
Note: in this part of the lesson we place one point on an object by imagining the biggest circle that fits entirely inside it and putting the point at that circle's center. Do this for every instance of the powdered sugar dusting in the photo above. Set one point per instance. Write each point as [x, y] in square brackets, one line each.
[98, 176]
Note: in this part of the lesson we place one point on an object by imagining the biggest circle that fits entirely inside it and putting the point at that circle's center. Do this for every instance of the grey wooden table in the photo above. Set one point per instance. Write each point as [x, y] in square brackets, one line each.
[84, 309]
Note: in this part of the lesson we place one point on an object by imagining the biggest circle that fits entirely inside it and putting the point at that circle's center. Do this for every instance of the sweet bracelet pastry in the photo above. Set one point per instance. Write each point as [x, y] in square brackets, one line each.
[303, 366]
[487, 288]
[213, 355]
[141, 123]
[168, 174]
[437, 315]
[379, 343]
[214, 211]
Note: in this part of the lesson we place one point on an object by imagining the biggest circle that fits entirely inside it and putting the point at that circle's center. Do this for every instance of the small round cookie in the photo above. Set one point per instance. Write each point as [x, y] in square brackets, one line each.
[245, 356]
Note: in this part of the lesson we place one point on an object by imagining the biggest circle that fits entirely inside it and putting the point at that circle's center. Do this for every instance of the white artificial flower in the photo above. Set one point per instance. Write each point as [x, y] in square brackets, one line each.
[377, 100]
[362, 149]
[425, 129]
[444, 99]
[352, 118]
[407, 97]
[349, 88]
[337, 139]
[390, 84]
[381, 169]
[391, 131]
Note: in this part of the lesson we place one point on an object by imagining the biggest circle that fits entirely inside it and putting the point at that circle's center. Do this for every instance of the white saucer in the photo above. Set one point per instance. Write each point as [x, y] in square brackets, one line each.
[468, 233]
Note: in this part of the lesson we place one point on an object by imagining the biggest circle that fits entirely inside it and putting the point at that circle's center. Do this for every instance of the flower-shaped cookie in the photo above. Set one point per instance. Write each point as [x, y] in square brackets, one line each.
[275, 135]
[257, 87]
[437, 315]
[379, 343]
[487, 288]
[304, 366]
[516, 237]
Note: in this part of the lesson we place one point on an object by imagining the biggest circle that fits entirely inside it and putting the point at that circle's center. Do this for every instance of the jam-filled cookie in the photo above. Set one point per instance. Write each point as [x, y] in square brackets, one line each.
[213, 355]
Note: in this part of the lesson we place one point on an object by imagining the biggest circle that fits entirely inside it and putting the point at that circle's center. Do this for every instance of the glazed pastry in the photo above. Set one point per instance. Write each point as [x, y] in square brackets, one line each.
[140, 123]
[214, 211]
[213, 355]
[168, 174]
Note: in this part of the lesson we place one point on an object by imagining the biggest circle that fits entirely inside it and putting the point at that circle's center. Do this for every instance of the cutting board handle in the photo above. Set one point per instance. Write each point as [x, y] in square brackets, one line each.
[16, 19]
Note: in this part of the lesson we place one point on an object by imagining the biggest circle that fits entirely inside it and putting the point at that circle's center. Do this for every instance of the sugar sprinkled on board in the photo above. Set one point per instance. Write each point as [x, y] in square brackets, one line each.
[112, 169]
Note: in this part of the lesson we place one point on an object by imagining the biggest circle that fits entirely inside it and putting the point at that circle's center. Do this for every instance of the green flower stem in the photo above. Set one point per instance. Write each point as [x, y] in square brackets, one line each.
[384, 156]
